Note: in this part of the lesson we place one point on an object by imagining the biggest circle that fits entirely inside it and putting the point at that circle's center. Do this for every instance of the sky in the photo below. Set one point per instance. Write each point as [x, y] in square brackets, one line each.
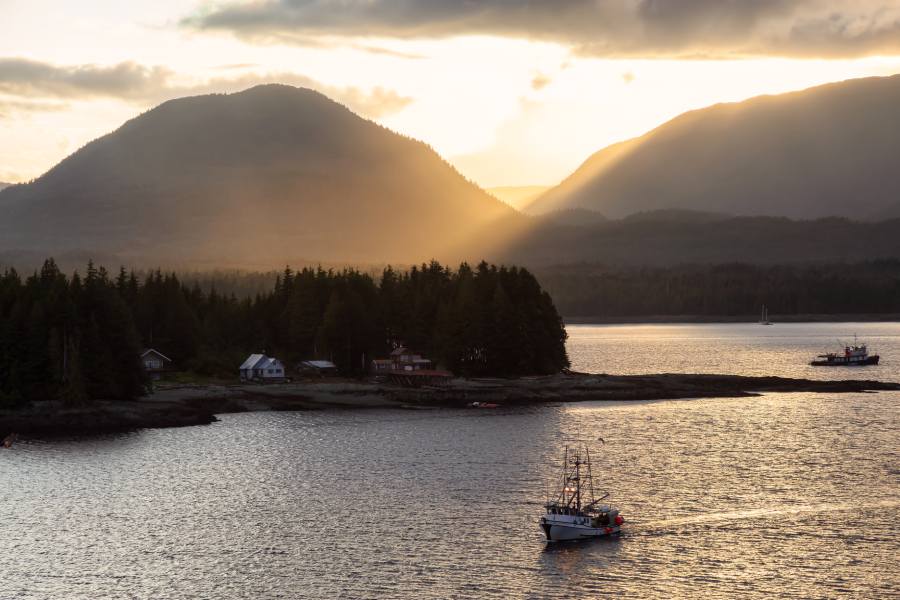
[512, 92]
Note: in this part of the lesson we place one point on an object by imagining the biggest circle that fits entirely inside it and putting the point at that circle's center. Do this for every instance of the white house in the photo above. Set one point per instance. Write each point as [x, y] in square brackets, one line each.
[259, 367]
[155, 362]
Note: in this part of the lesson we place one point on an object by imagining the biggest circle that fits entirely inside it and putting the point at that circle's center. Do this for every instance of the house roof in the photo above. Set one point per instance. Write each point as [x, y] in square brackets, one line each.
[399, 350]
[320, 364]
[147, 351]
[252, 360]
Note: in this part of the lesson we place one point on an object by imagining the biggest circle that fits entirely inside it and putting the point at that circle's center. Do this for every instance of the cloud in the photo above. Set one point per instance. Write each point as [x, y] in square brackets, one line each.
[12, 107]
[540, 81]
[25, 77]
[635, 28]
[28, 86]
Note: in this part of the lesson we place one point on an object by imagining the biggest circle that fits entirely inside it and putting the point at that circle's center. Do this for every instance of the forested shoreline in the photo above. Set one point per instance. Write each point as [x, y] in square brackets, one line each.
[79, 338]
[735, 290]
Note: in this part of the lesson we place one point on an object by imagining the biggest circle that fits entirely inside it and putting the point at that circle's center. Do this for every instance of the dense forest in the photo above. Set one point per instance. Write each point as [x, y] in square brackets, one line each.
[80, 337]
[725, 290]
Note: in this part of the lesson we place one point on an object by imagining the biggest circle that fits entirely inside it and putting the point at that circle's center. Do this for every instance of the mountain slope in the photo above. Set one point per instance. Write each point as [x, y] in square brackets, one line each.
[518, 197]
[827, 151]
[253, 178]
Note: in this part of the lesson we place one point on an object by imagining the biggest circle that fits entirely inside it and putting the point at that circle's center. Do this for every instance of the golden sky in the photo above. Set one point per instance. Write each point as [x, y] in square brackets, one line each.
[511, 92]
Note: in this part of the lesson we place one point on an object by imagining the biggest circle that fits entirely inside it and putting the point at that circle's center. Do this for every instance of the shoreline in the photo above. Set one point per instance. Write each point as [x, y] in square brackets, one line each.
[183, 406]
[728, 319]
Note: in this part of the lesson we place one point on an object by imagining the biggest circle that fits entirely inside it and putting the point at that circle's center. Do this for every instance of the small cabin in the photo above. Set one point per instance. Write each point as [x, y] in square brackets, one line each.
[317, 368]
[259, 367]
[402, 359]
[155, 363]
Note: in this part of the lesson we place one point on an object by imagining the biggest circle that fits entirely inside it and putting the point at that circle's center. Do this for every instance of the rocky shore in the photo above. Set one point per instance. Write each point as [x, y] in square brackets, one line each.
[179, 406]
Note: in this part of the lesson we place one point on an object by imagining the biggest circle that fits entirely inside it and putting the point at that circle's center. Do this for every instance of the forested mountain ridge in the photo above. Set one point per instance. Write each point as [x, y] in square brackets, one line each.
[261, 177]
[666, 239]
[725, 290]
[827, 151]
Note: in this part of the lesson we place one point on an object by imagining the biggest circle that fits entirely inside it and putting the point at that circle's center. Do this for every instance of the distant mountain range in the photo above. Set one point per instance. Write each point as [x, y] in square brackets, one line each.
[257, 178]
[832, 150]
[279, 175]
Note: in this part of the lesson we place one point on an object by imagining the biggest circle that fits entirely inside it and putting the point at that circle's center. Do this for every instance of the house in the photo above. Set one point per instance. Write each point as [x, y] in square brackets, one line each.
[317, 368]
[409, 369]
[402, 359]
[155, 363]
[259, 367]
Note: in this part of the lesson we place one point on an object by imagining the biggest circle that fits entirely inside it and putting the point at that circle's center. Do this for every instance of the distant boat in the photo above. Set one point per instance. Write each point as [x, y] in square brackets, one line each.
[853, 356]
[574, 513]
[764, 317]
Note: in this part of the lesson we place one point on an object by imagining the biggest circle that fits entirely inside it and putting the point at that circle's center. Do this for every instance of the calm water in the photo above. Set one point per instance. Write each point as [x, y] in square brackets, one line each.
[792, 496]
[739, 348]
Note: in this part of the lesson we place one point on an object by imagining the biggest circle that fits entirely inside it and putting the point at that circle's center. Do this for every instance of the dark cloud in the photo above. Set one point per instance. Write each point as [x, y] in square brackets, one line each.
[648, 28]
[28, 86]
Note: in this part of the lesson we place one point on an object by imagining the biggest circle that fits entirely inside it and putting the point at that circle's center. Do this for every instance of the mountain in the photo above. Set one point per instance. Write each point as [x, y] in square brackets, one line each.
[519, 197]
[826, 151]
[255, 178]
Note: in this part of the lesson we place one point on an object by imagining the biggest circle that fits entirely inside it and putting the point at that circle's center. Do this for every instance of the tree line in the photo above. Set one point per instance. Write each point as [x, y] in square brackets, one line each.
[79, 338]
[737, 289]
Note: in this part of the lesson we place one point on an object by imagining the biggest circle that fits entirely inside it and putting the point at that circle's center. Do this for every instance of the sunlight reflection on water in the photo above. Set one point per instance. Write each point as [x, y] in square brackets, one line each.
[788, 495]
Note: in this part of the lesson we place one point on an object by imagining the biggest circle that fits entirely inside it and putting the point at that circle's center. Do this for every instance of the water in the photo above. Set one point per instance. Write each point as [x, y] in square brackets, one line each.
[784, 349]
[790, 495]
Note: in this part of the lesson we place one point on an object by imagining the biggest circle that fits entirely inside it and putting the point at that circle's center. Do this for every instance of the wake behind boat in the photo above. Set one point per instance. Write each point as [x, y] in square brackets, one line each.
[574, 513]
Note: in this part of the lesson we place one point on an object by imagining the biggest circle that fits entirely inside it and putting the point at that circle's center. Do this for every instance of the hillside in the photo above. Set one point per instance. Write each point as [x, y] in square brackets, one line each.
[519, 197]
[256, 178]
[666, 239]
[827, 151]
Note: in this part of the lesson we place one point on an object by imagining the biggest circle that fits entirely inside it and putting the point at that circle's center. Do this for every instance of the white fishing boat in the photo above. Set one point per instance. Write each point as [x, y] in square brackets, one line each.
[574, 513]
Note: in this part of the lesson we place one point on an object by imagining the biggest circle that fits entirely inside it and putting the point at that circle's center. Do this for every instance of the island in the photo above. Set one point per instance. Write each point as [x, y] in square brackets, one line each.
[199, 404]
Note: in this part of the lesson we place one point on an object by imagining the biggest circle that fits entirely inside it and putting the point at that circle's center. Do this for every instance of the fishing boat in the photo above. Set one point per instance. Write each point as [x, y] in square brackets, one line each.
[574, 513]
[764, 317]
[856, 355]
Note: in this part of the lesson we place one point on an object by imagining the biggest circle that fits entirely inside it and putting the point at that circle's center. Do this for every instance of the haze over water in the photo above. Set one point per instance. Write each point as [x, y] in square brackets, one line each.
[792, 495]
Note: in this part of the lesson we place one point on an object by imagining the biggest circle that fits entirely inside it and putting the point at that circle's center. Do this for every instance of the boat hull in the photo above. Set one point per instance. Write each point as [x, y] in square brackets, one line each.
[557, 532]
[871, 360]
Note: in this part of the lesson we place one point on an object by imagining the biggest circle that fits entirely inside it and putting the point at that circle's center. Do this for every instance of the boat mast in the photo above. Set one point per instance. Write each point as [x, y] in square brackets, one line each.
[577, 480]
[590, 474]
